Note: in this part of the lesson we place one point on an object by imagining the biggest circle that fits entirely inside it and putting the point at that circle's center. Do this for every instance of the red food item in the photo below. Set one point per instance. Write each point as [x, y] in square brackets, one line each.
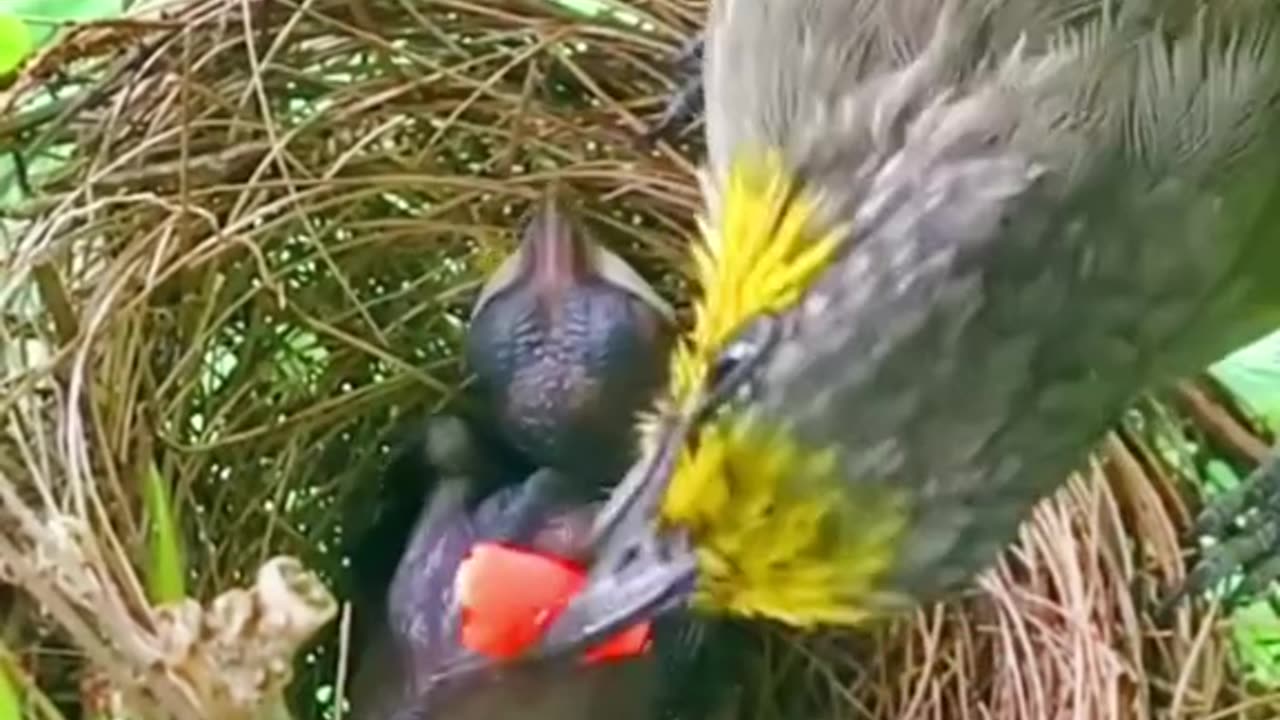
[628, 643]
[510, 596]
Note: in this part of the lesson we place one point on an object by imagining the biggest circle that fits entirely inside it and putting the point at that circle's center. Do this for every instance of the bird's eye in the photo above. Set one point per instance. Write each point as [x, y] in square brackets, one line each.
[729, 360]
[734, 366]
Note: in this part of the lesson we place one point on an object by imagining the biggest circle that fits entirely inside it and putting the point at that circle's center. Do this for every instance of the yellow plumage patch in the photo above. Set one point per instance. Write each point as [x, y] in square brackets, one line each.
[778, 531]
[772, 520]
[760, 259]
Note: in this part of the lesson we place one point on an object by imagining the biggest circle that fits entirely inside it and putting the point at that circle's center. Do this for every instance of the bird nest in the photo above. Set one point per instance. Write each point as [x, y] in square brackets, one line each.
[240, 241]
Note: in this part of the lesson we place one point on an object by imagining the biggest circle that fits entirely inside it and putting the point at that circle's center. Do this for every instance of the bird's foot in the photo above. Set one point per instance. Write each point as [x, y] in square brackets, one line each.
[1245, 523]
[685, 104]
[689, 58]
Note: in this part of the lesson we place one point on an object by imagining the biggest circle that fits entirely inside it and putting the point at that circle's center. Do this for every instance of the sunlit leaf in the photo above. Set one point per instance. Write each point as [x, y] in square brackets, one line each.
[166, 571]
[10, 697]
[1253, 375]
[1220, 475]
[16, 42]
[1257, 633]
[44, 17]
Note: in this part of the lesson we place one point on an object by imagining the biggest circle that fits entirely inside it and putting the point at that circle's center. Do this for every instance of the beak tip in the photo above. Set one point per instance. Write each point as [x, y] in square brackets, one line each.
[613, 602]
[552, 242]
[637, 571]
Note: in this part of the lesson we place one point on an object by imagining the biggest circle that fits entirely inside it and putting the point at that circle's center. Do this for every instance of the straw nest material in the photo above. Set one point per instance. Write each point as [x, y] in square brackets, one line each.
[247, 236]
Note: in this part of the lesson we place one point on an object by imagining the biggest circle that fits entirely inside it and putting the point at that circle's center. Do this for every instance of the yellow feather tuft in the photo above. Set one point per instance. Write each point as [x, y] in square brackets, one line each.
[775, 528]
[773, 521]
[764, 254]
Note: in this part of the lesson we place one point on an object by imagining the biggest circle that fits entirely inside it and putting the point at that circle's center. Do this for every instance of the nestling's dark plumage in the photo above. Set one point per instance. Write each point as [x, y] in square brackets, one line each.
[568, 345]
[420, 635]
[686, 676]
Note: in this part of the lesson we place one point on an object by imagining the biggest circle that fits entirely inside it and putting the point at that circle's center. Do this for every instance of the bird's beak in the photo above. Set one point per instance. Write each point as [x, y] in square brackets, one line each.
[552, 256]
[559, 254]
[555, 254]
[638, 570]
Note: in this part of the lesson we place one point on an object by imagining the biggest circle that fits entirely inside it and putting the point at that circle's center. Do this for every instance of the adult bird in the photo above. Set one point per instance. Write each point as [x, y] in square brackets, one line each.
[945, 244]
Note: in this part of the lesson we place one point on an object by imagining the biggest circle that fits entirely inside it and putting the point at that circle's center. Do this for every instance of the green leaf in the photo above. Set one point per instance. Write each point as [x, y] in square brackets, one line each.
[1220, 476]
[1253, 375]
[10, 696]
[1257, 635]
[16, 42]
[44, 17]
[166, 574]
[66, 9]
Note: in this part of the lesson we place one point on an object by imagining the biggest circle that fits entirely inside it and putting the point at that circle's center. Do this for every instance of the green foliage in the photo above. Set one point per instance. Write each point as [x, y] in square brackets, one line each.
[16, 42]
[43, 17]
[10, 697]
[1256, 629]
[25, 26]
[166, 567]
[1253, 375]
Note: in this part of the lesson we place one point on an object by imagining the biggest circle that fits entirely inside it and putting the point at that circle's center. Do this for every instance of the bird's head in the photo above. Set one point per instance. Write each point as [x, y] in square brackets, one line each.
[726, 510]
[979, 235]
[568, 343]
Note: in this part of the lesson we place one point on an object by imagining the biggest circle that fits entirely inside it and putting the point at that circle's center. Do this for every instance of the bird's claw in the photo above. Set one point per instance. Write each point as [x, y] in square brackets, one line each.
[685, 104]
[1245, 523]
[1262, 486]
[689, 58]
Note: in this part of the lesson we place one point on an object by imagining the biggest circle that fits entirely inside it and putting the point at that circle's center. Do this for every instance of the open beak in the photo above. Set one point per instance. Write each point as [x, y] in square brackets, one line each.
[638, 570]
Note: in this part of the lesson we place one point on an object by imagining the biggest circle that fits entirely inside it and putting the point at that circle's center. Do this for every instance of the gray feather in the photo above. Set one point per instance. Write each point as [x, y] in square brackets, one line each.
[1054, 205]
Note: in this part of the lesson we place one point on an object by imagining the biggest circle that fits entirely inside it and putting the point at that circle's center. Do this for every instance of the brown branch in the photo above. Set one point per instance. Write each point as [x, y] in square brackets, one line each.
[1225, 430]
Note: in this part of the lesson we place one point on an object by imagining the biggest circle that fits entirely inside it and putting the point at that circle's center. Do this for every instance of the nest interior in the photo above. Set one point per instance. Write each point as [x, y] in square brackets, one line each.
[248, 237]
